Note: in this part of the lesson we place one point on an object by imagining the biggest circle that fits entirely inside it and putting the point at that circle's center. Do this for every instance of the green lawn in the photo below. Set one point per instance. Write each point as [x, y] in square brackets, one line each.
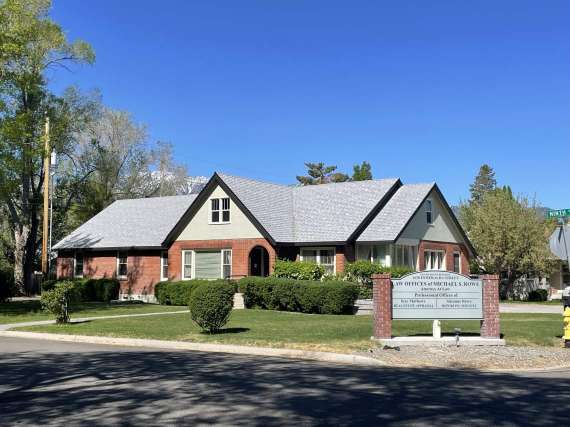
[27, 311]
[316, 332]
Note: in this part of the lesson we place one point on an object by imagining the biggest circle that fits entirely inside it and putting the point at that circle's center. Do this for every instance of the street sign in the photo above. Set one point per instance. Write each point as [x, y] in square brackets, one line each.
[437, 295]
[558, 213]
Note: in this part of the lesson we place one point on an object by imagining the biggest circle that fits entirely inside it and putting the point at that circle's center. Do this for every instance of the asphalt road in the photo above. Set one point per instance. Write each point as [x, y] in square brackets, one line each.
[54, 383]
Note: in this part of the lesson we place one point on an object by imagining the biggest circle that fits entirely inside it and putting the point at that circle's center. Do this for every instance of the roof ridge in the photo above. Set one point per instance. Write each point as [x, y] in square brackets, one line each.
[259, 181]
[153, 198]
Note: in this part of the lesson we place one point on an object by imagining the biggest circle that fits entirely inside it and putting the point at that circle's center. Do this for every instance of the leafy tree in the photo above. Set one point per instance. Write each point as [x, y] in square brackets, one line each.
[318, 173]
[113, 161]
[484, 182]
[362, 172]
[30, 44]
[508, 235]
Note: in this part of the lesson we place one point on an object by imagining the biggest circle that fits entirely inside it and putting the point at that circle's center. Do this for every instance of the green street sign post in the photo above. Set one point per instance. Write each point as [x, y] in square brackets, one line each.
[558, 213]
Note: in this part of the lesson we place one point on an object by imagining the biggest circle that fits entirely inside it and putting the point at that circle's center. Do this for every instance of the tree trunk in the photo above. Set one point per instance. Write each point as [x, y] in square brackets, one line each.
[21, 234]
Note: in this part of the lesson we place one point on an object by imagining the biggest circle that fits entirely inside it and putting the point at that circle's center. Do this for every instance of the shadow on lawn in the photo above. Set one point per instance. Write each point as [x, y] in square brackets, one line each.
[226, 331]
[130, 387]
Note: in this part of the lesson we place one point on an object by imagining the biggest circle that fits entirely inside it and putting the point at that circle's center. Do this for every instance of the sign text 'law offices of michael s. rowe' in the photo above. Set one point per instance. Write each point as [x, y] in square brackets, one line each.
[437, 295]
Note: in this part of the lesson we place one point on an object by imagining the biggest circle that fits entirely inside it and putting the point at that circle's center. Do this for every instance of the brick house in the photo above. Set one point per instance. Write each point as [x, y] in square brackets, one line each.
[236, 227]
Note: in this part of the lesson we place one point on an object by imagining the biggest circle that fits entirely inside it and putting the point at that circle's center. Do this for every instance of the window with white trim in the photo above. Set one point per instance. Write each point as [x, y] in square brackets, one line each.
[220, 210]
[378, 254]
[321, 256]
[434, 260]
[187, 265]
[404, 256]
[164, 265]
[122, 269]
[457, 262]
[429, 211]
[226, 263]
[78, 265]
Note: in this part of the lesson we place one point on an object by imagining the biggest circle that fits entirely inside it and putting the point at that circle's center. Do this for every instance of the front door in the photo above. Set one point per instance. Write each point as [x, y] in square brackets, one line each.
[259, 262]
[256, 262]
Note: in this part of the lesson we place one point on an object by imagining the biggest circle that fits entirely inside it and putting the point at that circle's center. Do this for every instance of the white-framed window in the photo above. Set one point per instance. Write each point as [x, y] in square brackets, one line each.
[321, 256]
[122, 268]
[187, 263]
[434, 260]
[226, 263]
[404, 255]
[78, 265]
[220, 210]
[456, 262]
[377, 253]
[429, 211]
[164, 265]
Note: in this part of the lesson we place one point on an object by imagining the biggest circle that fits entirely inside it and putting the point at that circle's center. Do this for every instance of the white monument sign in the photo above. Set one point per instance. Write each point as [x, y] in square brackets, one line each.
[437, 295]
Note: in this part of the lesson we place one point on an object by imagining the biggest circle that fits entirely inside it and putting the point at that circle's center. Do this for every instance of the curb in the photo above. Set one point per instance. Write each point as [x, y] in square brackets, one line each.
[202, 347]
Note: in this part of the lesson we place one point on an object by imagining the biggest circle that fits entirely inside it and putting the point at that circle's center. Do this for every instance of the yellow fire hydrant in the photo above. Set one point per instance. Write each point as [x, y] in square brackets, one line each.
[567, 327]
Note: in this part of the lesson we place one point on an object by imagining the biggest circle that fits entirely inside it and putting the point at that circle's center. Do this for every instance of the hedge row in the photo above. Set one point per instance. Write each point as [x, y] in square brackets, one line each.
[104, 290]
[273, 293]
[299, 270]
[178, 293]
[361, 272]
[6, 283]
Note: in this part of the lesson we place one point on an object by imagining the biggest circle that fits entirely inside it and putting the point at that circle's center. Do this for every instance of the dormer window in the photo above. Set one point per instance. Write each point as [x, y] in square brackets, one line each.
[429, 212]
[220, 210]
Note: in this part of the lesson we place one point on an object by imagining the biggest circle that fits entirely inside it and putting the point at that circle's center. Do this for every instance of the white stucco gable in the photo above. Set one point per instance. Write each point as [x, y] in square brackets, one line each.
[442, 228]
[200, 226]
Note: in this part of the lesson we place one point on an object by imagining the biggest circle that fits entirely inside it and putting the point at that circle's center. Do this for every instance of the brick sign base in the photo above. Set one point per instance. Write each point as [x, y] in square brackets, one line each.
[382, 295]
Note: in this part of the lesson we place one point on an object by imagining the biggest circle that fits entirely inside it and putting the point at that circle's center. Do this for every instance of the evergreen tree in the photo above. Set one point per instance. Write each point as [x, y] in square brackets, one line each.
[319, 173]
[484, 182]
[362, 172]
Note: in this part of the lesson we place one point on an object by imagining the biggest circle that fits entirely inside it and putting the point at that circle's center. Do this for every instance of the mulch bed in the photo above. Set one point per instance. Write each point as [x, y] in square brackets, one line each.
[476, 357]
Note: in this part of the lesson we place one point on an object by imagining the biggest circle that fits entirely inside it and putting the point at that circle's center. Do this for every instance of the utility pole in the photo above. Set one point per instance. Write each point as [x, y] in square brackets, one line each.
[47, 159]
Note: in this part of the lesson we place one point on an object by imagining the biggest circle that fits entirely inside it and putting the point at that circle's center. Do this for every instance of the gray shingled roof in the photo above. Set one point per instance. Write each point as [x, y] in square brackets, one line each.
[315, 213]
[271, 204]
[143, 223]
[309, 214]
[392, 219]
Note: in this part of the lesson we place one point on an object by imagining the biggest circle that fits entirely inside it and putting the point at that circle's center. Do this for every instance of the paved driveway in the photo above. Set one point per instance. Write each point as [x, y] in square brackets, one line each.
[44, 382]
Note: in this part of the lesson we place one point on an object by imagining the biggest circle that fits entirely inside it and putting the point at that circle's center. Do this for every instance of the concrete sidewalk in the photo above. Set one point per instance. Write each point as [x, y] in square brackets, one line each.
[531, 308]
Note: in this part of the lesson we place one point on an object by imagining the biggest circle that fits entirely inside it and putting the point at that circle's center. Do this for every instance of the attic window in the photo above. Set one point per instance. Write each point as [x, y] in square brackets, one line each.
[429, 210]
[220, 210]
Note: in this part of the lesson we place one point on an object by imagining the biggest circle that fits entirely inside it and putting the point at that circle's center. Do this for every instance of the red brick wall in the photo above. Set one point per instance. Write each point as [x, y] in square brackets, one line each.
[449, 249]
[491, 323]
[344, 255]
[143, 269]
[64, 266]
[240, 254]
[382, 308]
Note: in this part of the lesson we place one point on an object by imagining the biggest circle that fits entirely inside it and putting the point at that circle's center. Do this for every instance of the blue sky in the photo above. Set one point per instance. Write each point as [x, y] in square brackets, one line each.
[426, 91]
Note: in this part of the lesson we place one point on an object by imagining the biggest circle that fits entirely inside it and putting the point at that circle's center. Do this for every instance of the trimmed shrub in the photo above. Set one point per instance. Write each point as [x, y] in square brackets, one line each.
[100, 289]
[104, 290]
[57, 300]
[178, 293]
[273, 293]
[361, 272]
[299, 270]
[211, 305]
[6, 284]
[538, 295]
